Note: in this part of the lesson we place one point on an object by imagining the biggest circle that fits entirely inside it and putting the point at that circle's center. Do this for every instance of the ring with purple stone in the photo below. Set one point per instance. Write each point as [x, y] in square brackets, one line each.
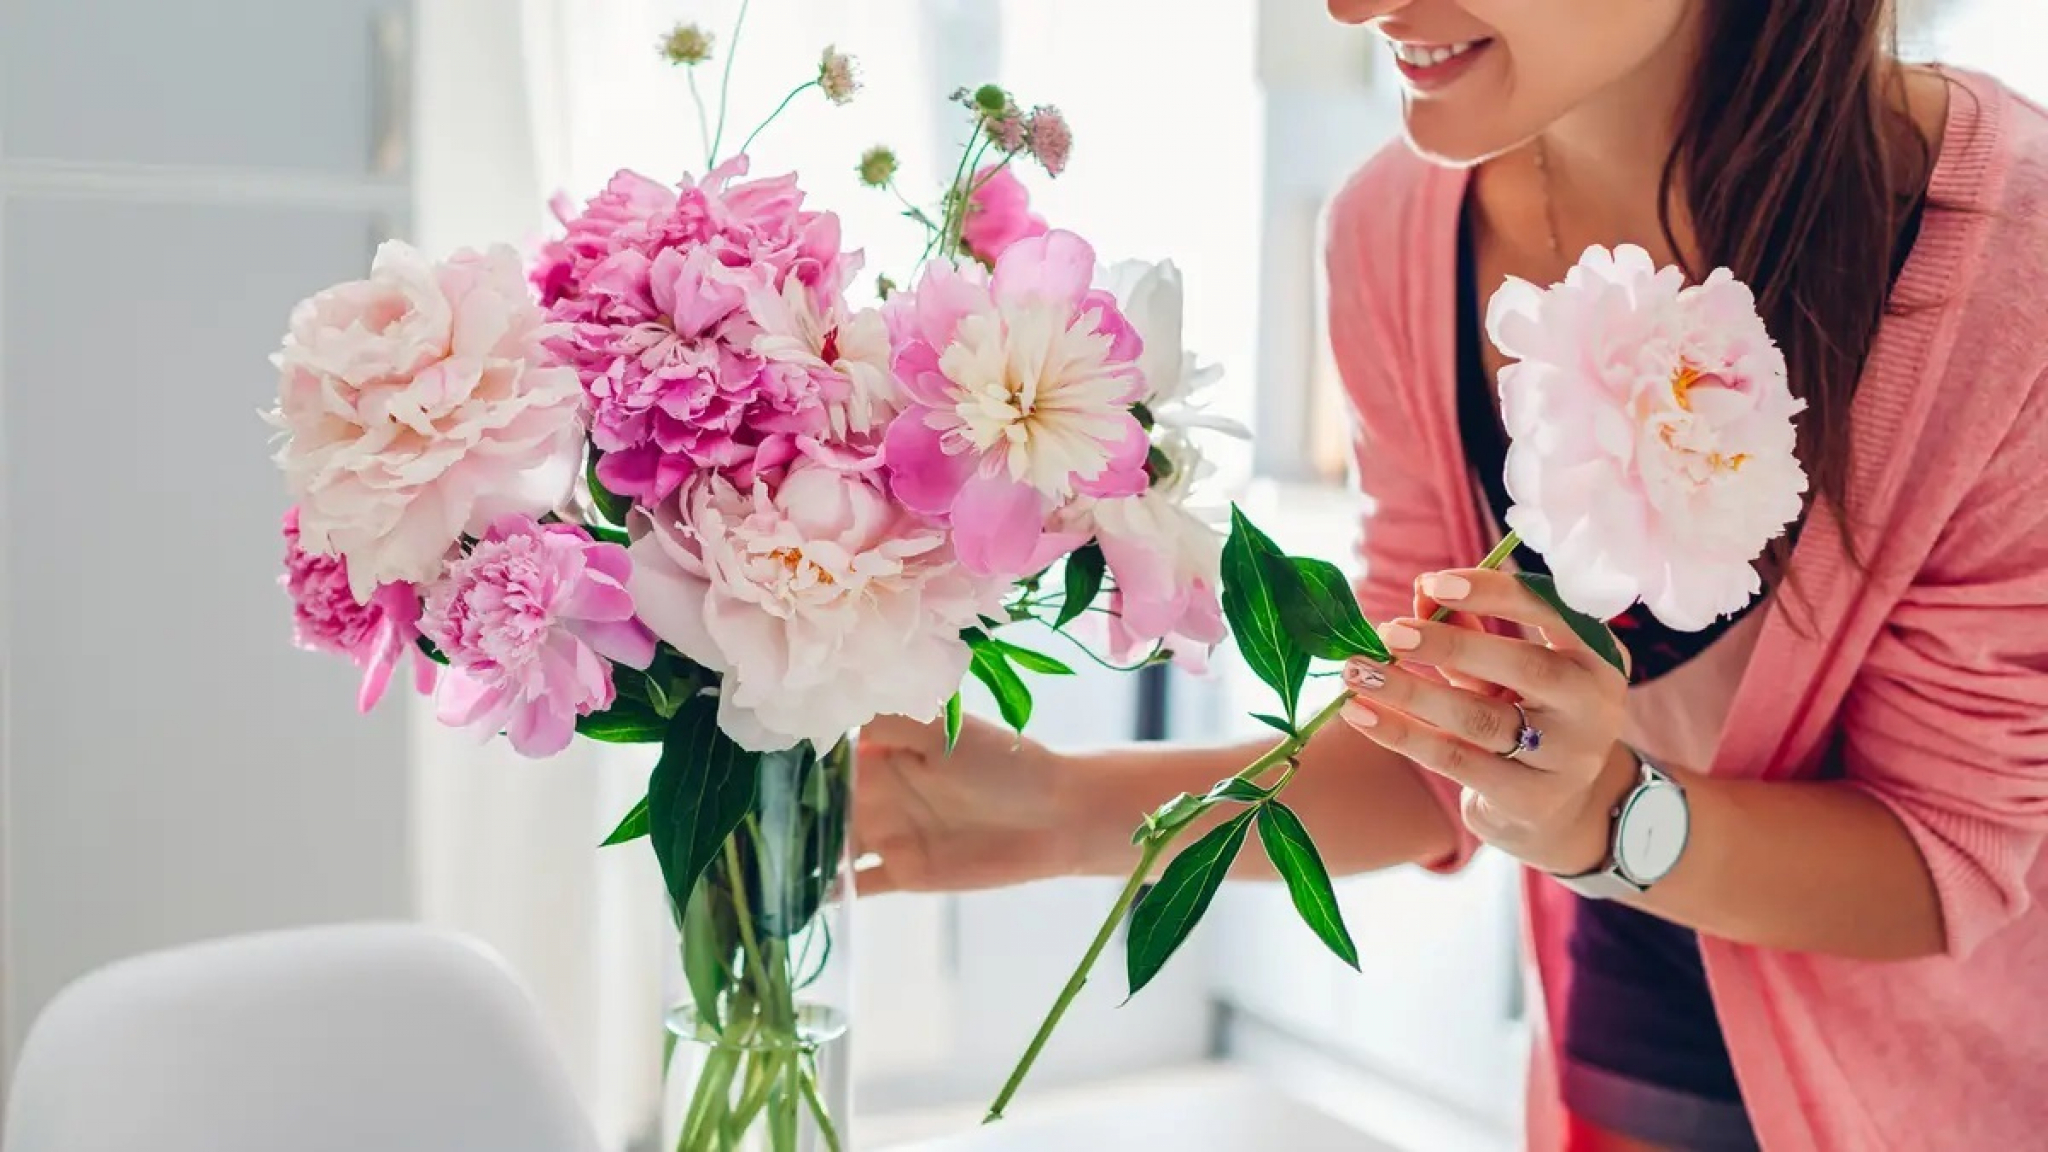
[1528, 737]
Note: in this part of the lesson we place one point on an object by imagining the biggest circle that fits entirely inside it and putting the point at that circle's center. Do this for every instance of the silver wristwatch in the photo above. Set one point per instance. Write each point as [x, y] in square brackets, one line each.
[1651, 825]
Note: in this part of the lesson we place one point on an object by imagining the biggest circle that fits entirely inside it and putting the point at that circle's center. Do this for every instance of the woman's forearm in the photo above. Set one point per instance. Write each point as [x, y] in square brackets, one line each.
[1800, 866]
[1366, 807]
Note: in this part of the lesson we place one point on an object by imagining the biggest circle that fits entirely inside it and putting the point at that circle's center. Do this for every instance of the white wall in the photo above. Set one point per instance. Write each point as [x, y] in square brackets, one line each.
[172, 768]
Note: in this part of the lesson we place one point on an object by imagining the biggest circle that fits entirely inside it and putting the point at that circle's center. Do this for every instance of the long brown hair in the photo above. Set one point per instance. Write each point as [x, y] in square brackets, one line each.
[1798, 171]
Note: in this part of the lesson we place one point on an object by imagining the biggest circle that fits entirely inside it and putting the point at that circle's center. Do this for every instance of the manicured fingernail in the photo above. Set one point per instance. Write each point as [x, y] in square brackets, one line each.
[1359, 716]
[1445, 588]
[1362, 676]
[1400, 637]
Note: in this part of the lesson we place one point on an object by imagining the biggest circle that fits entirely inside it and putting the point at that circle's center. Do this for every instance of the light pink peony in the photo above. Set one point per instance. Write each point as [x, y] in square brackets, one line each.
[1652, 438]
[419, 405]
[531, 620]
[1018, 391]
[826, 348]
[998, 215]
[1167, 564]
[820, 605]
[377, 636]
[651, 286]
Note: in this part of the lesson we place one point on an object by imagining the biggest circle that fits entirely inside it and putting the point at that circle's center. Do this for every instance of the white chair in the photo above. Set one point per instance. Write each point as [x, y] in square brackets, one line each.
[358, 1038]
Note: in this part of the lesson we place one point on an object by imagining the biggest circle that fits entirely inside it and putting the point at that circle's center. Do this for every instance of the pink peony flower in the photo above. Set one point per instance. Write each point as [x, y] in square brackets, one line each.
[998, 215]
[1018, 392]
[377, 636]
[1168, 567]
[651, 287]
[531, 621]
[821, 605]
[1652, 452]
[829, 350]
[419, 405]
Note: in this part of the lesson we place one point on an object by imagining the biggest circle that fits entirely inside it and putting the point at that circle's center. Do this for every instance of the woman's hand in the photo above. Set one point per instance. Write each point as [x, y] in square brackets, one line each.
[987, 815]
[1549, 806]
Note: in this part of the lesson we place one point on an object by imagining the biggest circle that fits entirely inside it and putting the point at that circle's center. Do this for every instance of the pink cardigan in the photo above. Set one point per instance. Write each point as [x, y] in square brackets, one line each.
[1923, 679]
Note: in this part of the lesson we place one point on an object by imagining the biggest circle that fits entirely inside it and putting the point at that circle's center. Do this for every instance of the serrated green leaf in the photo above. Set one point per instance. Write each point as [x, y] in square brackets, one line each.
[1082, 583]
[1251, 565]
[699, 792]
[610, 505]
[1321, 614]
[633, 827]
[1595, 634]
[1238, 791]
[1175, 904]
[1274, 722]
[955, 717]
[992, 668]
[1294, 856]
[1031, 661]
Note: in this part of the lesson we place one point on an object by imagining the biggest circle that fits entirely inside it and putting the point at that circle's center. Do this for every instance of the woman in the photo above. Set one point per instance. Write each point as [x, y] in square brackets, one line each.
[1803, 846]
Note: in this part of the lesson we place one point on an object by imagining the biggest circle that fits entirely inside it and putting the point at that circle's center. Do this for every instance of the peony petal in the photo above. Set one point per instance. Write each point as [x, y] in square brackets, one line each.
[672, 604]
[463, 700]
[1056, 268]
[921, 473]
[625, 642]
[1123, 473]
[997, 523]
[540, 729]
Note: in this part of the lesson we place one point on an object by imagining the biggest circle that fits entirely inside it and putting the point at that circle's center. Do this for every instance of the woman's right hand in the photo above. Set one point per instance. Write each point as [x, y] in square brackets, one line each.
[989, 814]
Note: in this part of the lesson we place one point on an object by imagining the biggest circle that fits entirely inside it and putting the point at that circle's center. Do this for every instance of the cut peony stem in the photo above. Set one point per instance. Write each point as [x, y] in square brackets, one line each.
[1153, 847]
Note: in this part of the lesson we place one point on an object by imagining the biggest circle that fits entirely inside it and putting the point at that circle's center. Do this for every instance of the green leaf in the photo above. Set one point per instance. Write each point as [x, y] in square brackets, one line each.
[1031, 661]
[610, 505]
[1294, 856]
[992, 668]
[433, 653]
[633, 827]
[955, 716]
[658, 698]
[1321, 614]
[1083, 578]
[708, 946]
[608, 535]
[1176, 902]
[625, 722]
[1274, 722]
[1238, 791]
[1594, 633]
[699, 792]
[1169, 816]
[1250, 565]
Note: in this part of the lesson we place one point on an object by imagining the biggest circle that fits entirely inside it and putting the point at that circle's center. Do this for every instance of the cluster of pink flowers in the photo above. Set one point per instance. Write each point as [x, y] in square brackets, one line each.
[811, 491]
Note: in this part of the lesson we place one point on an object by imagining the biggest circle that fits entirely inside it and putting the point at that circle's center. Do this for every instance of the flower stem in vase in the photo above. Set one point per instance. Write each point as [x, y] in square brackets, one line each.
[1166, 825]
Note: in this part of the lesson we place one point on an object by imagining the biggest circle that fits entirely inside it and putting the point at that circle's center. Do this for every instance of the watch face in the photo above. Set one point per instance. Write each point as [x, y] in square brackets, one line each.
[1652, 833]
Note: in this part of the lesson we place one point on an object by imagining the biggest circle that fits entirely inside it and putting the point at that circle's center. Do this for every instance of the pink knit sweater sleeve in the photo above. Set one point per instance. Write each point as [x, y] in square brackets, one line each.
[1405, 532]
[1947, 721]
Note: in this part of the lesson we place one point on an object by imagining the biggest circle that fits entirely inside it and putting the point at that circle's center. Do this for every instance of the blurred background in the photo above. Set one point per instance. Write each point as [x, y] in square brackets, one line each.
[175, 173]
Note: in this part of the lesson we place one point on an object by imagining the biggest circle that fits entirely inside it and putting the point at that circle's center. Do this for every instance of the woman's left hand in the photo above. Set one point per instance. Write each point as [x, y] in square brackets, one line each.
[1548, 806]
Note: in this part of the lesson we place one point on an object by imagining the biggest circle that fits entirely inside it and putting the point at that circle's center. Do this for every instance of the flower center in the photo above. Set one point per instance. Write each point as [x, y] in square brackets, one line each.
[795, 565]
[829, 351]
[1681, 384]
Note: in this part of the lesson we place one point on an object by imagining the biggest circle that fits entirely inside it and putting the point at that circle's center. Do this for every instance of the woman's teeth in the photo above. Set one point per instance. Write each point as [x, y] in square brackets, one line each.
[1429, 55]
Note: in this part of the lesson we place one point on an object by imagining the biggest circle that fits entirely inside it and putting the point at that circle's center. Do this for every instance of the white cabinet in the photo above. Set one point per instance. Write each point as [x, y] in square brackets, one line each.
[315, 86]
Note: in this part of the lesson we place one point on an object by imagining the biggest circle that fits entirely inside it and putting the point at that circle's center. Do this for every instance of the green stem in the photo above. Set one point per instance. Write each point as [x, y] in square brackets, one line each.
[1287, 752]
[827, 1130]
[794, 93]
[703, 127]
[732, 51]
[1147, 856]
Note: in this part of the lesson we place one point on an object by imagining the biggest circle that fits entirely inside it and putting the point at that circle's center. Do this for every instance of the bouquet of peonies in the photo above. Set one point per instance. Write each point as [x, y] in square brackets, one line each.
[671, 483]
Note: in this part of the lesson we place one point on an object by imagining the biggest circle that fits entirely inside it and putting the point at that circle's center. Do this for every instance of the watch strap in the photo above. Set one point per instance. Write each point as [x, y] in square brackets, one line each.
[1608, 881]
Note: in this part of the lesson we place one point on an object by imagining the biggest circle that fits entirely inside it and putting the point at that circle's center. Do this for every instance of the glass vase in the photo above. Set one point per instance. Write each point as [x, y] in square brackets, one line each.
[758, 1058]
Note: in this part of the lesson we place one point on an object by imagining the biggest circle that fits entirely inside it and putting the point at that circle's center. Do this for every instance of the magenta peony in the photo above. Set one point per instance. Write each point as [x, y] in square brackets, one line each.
[998, 215]
[531, 620]
[821, 605]
[378, 635]
[419, 405]
[1652, 437]
[1018, 392]
[651, 285]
